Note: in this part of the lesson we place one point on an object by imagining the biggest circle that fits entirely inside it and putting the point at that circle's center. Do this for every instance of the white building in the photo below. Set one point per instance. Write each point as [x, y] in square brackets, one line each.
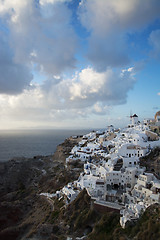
[112, 171]
[69, 193]
[134, 119]
[131, 150]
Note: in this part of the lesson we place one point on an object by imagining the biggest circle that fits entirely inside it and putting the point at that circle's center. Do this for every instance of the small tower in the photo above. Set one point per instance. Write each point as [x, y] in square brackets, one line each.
[134, 119]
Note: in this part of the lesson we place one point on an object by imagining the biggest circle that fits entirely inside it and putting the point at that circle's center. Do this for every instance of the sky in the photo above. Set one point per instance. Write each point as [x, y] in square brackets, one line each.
[78, 63]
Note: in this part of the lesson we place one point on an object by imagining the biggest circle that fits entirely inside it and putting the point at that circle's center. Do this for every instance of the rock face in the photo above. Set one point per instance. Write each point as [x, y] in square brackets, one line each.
[23, 212]
[152, 162]
[18, 194]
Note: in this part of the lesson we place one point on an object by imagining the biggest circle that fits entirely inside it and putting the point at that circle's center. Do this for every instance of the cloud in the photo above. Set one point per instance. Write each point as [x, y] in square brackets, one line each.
[40, 34]
[25, 107]
[100, 108]
[107, 51]
[13, 77]
[121, 14]
[86, 94]
[154, 40]
[109, 22]
[158, 93]
[44, 2]
[89, 88]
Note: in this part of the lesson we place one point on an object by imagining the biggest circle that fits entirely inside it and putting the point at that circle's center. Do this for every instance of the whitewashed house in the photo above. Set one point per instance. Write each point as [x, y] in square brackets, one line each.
[131, 150]
[69, 193]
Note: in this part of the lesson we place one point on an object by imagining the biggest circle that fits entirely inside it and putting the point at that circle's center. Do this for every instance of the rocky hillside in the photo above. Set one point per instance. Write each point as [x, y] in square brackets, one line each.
[152, 162]
[25, 215]
[23, 210]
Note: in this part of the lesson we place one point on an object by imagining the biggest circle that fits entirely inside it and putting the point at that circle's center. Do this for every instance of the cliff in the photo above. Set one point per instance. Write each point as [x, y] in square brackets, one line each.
[152, 162]
[23, 210]
[27, 215]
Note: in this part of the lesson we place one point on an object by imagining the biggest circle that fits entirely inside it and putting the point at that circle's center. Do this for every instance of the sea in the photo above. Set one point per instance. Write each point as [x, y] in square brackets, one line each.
[30, 143]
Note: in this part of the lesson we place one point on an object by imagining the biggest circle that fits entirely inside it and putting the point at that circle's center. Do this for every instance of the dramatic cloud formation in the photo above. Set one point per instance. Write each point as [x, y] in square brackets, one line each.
[40, 34]
[49, 37]
[109, 27]
[67, 99]
[90, 88]
[105, 87]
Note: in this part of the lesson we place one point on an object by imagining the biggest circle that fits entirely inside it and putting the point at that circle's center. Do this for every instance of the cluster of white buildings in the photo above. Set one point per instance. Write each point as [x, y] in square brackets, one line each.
[112, 175]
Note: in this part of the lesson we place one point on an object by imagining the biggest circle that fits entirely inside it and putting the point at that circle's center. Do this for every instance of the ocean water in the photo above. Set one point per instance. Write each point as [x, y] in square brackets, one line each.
[30, 143]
